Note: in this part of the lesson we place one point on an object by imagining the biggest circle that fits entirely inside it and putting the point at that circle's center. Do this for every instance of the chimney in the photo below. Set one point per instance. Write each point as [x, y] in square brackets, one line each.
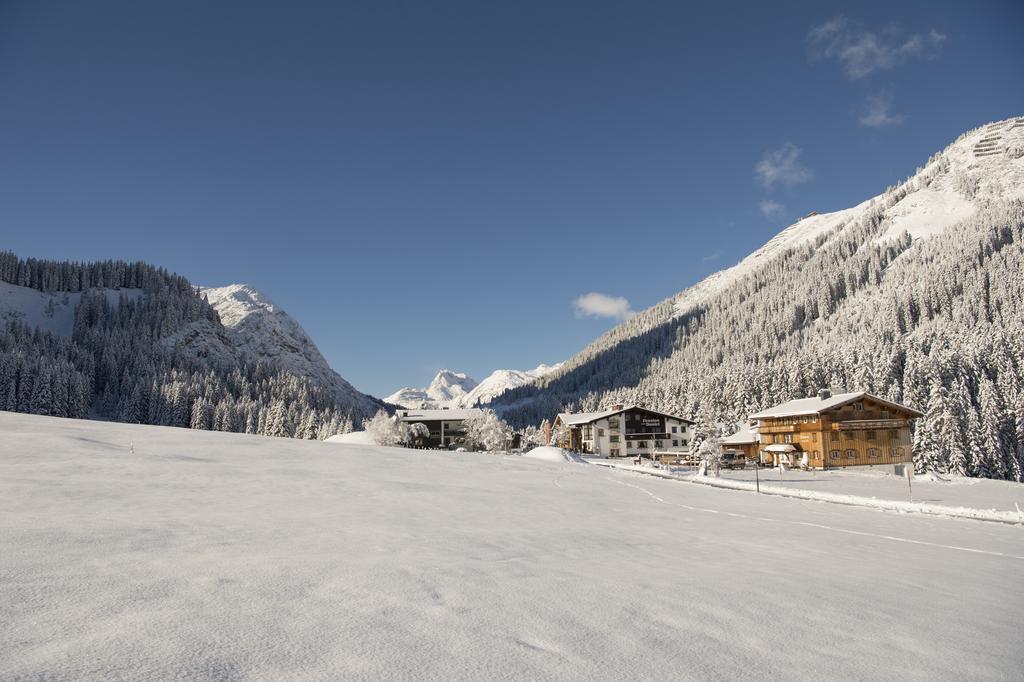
[825, 394]
[618, 406]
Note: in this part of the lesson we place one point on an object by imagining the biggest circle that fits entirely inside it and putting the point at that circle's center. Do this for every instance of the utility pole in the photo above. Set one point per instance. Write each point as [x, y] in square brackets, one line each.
[757, 476]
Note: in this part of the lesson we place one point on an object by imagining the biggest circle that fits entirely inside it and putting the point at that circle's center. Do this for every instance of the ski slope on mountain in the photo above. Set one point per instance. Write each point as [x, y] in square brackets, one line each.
[49, 311]
[147, 552]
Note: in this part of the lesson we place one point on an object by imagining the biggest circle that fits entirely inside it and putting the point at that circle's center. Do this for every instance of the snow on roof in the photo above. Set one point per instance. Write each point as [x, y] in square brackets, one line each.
[432, 415]
[817, 405]
[575, 419]
[741, 437]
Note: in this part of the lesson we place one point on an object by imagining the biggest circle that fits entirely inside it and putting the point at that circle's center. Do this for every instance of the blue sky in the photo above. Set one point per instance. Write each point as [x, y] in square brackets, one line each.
[434, 184]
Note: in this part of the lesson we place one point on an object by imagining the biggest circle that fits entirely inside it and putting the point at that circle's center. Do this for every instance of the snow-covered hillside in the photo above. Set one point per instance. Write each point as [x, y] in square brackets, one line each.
[969, 173]
[142, 552]
[456, 389]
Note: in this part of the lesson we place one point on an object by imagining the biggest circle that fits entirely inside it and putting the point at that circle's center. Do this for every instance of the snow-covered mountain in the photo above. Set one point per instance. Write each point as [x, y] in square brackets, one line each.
[914, 294]
[446, 387]
[456, 389]
[501, 380]
[257, 329]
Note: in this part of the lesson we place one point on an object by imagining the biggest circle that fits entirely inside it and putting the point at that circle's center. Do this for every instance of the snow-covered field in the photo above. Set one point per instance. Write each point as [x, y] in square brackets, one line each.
[212, 555]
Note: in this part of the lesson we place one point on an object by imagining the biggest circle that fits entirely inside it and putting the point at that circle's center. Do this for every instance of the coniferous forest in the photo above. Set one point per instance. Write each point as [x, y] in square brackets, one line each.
[115, 364]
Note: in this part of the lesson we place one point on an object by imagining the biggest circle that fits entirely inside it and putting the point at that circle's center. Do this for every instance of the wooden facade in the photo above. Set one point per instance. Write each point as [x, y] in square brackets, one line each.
[848, 430]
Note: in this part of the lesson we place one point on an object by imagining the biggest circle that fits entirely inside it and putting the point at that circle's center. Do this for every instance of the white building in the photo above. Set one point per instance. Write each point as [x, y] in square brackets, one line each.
[623, 432]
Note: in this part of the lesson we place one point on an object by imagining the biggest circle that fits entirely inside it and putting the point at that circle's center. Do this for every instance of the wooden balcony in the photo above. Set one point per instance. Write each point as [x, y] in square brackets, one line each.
[869, 424]
[779, 428]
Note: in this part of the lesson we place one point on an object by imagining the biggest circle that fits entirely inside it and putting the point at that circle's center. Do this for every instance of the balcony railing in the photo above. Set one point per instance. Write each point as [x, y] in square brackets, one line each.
[778, 428]
[868, 424]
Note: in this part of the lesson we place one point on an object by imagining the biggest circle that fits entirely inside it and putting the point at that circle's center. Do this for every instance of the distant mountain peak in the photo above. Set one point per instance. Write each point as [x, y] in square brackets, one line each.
[456, 389]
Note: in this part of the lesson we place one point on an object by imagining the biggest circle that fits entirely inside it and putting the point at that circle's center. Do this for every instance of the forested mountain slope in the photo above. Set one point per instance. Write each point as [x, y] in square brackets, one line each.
[916, 295]
[132, 342]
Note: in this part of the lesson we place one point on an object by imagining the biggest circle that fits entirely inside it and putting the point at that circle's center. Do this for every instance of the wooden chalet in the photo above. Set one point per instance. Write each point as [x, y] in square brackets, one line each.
[841, 430]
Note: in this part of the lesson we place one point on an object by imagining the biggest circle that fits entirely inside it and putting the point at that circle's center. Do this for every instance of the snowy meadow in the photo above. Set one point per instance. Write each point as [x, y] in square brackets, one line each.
[156, 552]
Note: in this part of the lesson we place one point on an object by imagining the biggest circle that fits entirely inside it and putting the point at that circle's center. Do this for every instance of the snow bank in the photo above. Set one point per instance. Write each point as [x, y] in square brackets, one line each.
[550, 454]
[773, 488]
[353, 438]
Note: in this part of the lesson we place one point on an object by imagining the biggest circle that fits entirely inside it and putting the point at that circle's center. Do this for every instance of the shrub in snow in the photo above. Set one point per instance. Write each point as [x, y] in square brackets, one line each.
[417, 433]
[386, 430]
[487, 431]
[710, 453]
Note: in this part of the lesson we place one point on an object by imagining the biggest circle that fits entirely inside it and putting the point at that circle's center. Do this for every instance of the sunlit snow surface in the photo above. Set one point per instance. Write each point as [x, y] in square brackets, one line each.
[210, 555]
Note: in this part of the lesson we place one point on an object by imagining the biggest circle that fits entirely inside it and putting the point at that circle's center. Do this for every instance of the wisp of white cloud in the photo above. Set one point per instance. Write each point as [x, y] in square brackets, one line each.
[772, 209]
[862, 52]
[595, 304]
[877, 115]
[782, 166]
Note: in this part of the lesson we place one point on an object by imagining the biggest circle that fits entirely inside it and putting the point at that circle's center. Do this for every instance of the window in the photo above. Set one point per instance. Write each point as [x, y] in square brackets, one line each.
[614, 439]
[614, 452]
[675, 429]
[872, 435]
[788, 438]
[613, 423]
[600, 433]
[642, 445]
[675, 444]
[851, 454]
[872, 453]
[814, 437]
[683, 441]
[657, 444]
[858, 406]
[835, 454]
[817, 455]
